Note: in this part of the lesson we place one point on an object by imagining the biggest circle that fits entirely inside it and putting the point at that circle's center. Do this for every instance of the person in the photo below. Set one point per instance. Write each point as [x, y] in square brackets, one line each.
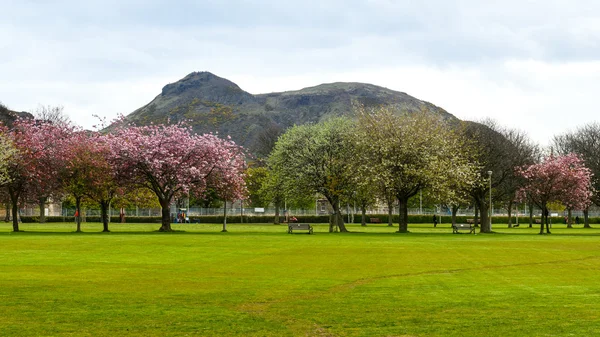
[293, 219]
[577, 220]
[434, 221]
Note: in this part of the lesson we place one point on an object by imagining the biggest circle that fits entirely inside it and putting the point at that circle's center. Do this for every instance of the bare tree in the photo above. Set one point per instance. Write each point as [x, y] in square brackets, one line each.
[266, 139]
[52, 114]
[522, 151]
[499, 151]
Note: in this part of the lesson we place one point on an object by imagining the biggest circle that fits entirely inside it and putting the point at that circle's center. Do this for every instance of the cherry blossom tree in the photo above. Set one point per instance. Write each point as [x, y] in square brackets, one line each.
[88, 173]
[562, 179]
[38, 159]
[171, 161]
[585, 142]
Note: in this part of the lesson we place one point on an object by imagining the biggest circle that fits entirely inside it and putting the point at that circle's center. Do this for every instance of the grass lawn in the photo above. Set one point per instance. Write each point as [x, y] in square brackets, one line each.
[256, 280]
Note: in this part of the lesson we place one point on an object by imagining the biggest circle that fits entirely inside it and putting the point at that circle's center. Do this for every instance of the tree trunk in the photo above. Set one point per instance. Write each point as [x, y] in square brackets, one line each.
[165, 205]
[224, 216]
[403, 215]
[42, 205]
[454, 211]
[586, 218]
[545, 214]
[78, 211]
[7, 216]
[337, 219]
[510, 203]
[104, 215]
[14, 199]
[476, 220]
[390, 212]
[363, 211]
[569, 222]
[276, 220]
[484, 223]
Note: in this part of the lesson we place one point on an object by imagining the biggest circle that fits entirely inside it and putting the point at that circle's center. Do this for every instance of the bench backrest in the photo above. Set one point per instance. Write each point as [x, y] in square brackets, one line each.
[462, 225]
[299, 226]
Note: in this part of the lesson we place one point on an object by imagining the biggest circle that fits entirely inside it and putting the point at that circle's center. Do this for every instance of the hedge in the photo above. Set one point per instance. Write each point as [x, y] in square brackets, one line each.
[443, 219]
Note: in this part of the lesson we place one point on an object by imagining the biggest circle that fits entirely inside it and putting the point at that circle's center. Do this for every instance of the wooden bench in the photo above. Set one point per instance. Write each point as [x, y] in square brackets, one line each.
[538, 221]
[299, 226]
[463, 227]
[471, 221]
[374, 220]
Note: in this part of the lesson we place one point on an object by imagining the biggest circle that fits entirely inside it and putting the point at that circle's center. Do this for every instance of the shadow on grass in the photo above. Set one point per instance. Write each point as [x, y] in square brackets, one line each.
[279, 230]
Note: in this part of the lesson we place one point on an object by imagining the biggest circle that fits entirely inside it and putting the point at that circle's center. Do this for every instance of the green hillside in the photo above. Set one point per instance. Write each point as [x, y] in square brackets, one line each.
[214, 104]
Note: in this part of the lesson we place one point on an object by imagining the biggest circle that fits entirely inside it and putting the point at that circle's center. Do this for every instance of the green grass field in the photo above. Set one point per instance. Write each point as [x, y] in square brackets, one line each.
[256, 280]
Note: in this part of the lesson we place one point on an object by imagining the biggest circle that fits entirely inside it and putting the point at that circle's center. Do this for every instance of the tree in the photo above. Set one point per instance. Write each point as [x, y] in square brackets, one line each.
[170, 160]
[562, 179]
[265, 140]
[585, 142]
[38, 159]
[522, 152]
[316, 158]
[255, 179]
[7, 152]
[364, 196]
[404, 153]
[89, 173]
[272, 190]
[499, 151]
[81, 170]
[51, 114]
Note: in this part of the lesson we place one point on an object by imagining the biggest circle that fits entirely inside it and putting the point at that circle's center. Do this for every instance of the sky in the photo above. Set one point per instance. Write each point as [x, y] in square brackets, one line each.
[528, 65]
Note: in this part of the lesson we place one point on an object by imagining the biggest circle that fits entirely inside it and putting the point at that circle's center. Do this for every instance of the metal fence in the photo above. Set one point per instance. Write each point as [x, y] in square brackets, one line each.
[270, 211]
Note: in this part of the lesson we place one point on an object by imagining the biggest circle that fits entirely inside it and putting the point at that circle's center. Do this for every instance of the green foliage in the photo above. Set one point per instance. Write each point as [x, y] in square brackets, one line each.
[255, 179]
[316, 159]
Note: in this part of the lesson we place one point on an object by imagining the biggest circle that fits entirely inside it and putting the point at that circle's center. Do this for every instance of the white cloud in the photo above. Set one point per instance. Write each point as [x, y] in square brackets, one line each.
[532, 65]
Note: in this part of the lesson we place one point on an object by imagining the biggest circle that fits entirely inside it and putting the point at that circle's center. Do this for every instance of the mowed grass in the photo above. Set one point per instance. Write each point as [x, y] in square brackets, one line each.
[256, 280]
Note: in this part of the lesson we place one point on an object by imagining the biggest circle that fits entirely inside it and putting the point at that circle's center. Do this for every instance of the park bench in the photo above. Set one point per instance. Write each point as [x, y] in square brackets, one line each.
[471, 221]
[299, 226]
[463, 227]
[538, 221]
[374, 220]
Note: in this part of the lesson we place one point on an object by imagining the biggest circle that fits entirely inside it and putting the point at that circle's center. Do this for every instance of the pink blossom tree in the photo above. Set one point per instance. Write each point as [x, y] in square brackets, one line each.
[38, 159]
[88, 173]
[171, 160]
[562, 179]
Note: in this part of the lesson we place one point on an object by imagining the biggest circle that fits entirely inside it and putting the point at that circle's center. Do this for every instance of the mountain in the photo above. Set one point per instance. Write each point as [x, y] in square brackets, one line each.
[215, 104]
[7, 117]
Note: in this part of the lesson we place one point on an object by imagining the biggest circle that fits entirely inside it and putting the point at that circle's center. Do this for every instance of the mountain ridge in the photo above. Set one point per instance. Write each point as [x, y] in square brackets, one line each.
[214, 104]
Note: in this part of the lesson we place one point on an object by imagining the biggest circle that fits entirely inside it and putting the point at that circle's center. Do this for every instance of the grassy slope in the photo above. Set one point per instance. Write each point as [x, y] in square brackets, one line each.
[259, 281]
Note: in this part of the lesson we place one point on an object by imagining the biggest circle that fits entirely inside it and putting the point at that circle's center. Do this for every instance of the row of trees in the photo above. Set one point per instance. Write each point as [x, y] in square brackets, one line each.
[44, 158]
[378, 156]
[385, 156]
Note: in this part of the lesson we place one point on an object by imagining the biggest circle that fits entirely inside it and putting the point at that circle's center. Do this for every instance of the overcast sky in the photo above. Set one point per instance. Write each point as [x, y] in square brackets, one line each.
[531, 65]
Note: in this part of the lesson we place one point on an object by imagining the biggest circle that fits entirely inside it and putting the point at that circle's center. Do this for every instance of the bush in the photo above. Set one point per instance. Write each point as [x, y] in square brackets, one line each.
[414, 218]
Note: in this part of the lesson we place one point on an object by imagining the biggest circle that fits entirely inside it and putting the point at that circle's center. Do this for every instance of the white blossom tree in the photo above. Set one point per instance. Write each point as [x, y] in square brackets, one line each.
[406, 153]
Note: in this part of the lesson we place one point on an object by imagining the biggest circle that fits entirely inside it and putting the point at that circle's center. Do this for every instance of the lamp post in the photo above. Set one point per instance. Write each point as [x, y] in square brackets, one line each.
[490, 176]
